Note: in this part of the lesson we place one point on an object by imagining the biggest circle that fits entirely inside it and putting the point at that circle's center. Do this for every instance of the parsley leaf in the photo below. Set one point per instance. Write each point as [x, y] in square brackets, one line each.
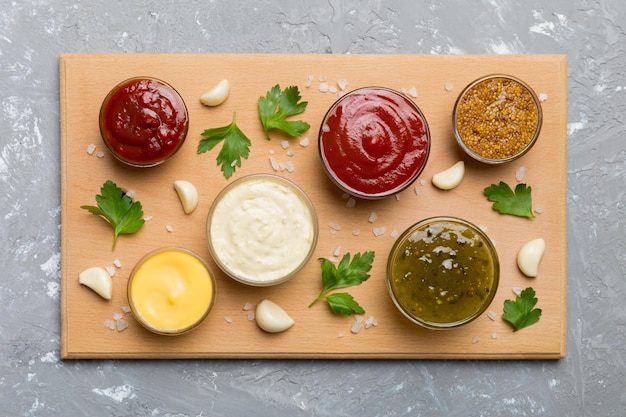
[346, 274]
[117, 208]
[518, 203]
[520, 313]
[236, 145]
[277, 105]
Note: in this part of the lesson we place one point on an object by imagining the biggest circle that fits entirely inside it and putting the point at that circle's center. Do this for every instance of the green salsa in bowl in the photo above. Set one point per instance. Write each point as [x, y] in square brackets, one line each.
[442, 272]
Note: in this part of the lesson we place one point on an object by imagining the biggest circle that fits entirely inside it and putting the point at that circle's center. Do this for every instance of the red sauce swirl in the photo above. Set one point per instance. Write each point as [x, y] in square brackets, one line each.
[143, 121]
[374, 142]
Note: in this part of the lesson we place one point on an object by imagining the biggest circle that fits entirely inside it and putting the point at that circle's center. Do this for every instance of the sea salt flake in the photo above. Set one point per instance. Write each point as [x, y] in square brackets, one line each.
[412, 91]
[340, 335]
[356, 232]
[117, 263]
[290, 167]
[334, 226]
[284, 144]
[342, 83]
[371, 321]
[538, 210]
[397, 197]
[91, 148]
[422, 182]
[100, 154]
[337, 251]
[492, 315]
[417, 191]
[372, 218]
[475, 339]
[519, 174]
[130, 193]
[322, 78]
[304, 142]
[109, 324]
[448, 86]
[494, 335]
[394, 234]
[247, 307]
[228, 319]
[126, 309]
[323, 88]
[332, 89]
[110, 270]
[351, 203]
[169, 228]
[117, 316]
[333, 232]
[148, 218]
[271, 152]
[516, 290]
[250, 316]
[309, 81]
[543, 97]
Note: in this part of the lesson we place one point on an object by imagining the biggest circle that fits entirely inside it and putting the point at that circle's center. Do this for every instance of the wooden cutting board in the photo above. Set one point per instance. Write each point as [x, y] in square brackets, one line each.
[85, 79]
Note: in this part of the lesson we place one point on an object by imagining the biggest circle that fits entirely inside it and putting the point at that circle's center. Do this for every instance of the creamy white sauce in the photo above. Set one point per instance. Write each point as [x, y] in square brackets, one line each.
[261, 230]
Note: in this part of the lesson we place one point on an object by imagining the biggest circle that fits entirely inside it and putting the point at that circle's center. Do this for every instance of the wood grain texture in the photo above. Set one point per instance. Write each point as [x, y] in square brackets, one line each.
[85, 79]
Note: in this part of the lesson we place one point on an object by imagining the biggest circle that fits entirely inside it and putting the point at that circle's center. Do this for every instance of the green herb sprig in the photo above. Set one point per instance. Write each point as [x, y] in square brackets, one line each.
[117, 208]
[518, 203]
[277, 105]
[346, 274]
[521, 312]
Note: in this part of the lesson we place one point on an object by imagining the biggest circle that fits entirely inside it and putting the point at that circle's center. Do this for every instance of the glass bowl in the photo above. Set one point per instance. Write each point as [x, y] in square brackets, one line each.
[442, 272]
[262, 229]
[171, 290]
[374, 142]
[143, 122]
[497, 119]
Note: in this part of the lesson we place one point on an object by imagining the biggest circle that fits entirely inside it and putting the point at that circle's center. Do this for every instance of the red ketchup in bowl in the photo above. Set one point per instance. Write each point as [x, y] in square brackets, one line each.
[374, 142]
[143, 121]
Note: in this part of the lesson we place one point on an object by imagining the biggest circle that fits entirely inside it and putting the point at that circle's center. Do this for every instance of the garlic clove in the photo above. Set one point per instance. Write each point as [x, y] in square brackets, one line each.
[217, 95]
[451, 177]
[271, 317]
[188, 195]
[529, 256]
[99, 280]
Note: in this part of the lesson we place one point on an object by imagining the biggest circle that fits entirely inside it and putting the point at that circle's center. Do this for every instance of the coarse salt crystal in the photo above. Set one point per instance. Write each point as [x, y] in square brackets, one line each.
[147, 218]
[379, 231]
[492, 315]
[100, 154]
[126, 309]
[356, 232]
[448, 86]
[110, 270]
[519, 174]
[356, 326]
[397, 197]
[282, 166]
[516, 290]
[232, 164]
[337, 251]
[333, 232]
[309, 81]
[304, 142]
[117, 263]
[334, 226]
[372, 218]
[274, 163]
[340, 335]
[538, 210]
[342, 83]
[250, 316]
[289, 166]
[91, 148]
[475, 339]
[271, 152]
[322, 78]
[394, 234]
[323, 88]
[169, 228]
[417, 190]
[130, 193]
[284, 144]
[117, 316]
[494, 335]
[247, 306]
[412, 91]
[332, 89]
[121, 324]
[351, 203]
[543, 96]
[422, 182]
[371, 321]
[228, 319]
[110, 324]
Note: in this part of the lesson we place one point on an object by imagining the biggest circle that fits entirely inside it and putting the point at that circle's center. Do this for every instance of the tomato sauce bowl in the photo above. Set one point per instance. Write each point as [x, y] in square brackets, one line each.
[143, 121]
[374, 142]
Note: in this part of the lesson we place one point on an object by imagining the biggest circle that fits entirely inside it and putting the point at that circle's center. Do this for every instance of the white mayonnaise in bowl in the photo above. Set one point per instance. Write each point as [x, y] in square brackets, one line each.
[262, 229]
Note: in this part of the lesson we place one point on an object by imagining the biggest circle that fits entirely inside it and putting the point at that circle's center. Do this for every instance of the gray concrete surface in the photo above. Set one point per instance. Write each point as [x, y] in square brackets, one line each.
[591, 381]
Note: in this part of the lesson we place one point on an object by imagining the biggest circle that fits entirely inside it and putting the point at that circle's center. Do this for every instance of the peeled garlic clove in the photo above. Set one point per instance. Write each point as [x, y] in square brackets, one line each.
[271, 317]
[217, 95]
[451, 177]
[529, 256]
[99, 280]
[188, 195]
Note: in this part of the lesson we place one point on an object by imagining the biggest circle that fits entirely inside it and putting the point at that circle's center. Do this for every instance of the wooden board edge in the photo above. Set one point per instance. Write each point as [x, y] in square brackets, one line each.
[63, 161]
